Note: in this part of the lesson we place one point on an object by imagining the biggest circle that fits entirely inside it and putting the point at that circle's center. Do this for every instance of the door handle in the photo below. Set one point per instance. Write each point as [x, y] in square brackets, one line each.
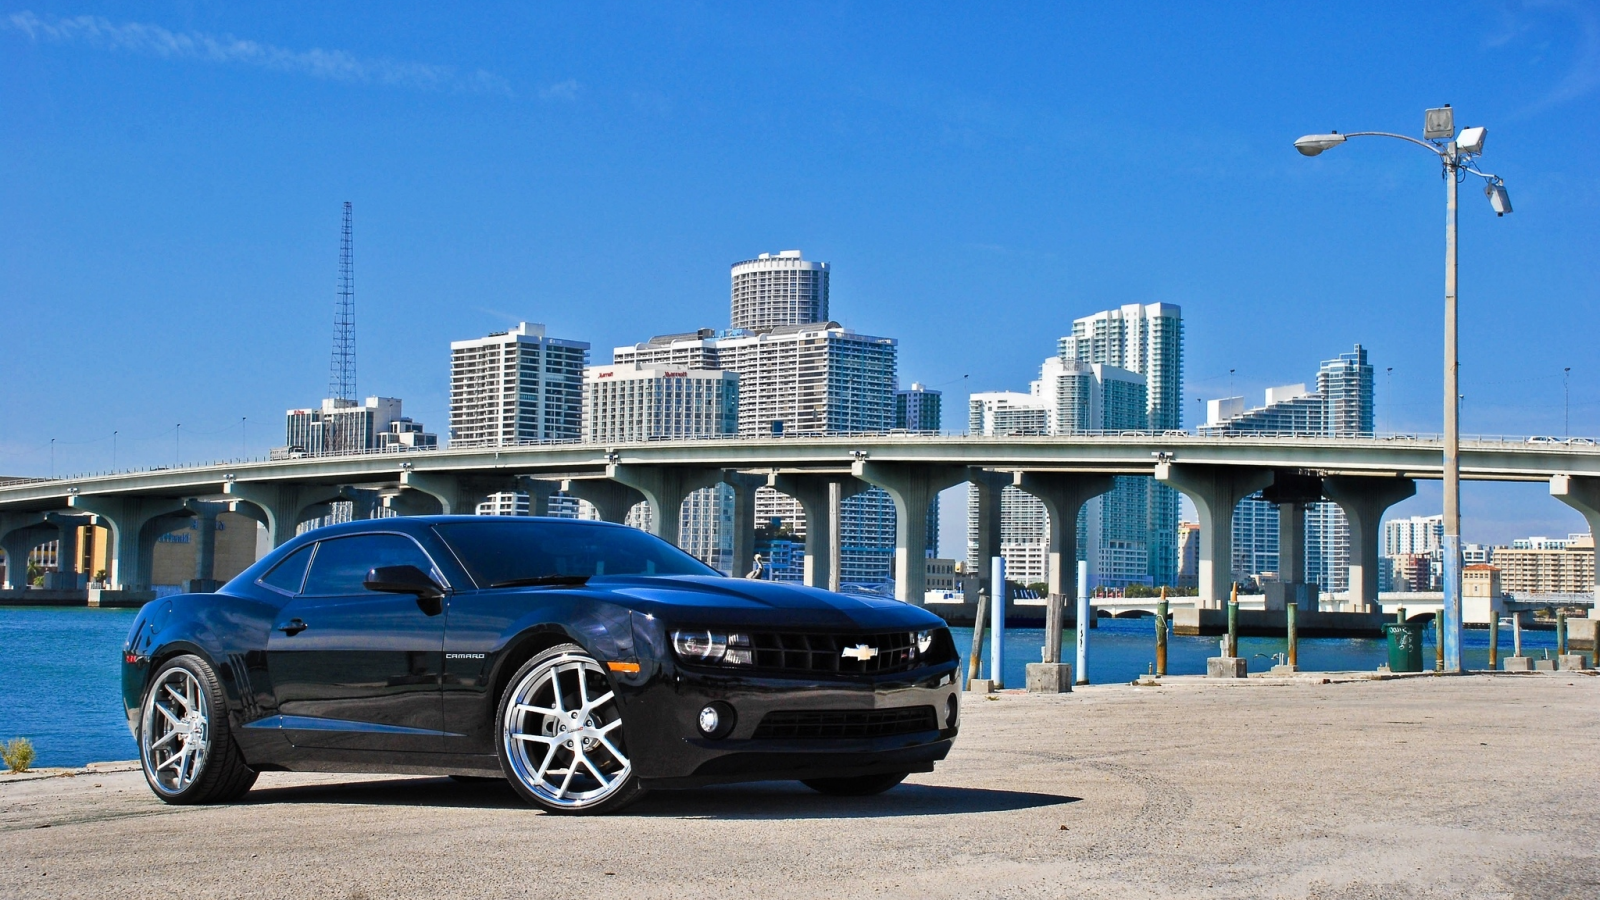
[292, 627]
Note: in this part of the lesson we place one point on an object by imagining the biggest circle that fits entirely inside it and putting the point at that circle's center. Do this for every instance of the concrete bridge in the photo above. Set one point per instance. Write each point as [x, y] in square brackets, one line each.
[1363, 475]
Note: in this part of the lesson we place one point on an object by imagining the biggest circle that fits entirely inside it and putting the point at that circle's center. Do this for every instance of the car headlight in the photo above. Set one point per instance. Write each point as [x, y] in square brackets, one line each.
[713, 646]
[924, 642]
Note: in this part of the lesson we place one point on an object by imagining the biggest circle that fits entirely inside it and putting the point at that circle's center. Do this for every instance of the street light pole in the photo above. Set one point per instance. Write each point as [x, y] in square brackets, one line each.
[1457, 153]
[1452, 427]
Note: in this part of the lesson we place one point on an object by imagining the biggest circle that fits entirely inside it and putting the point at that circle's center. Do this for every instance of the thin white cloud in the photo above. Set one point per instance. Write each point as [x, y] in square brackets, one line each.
[561, 90]
[331, 65]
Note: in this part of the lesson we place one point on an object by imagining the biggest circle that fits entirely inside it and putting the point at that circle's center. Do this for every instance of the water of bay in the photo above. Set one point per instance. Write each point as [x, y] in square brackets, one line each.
[1121, 650]
[64, 686]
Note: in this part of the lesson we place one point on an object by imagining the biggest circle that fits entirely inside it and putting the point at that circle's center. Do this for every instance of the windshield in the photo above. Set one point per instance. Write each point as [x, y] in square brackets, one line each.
[503, 549]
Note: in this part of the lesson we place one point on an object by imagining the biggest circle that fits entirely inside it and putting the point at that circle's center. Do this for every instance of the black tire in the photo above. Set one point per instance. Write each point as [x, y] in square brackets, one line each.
[220, 774]
[565, 673]
[859, 786]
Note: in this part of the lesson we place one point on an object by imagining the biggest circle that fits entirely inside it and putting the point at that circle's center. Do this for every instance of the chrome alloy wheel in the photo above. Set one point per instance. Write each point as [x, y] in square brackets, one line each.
[175, 731]
[563, 734]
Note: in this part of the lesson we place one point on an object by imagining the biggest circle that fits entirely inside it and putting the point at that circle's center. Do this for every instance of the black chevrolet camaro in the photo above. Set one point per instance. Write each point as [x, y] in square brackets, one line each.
[581, 661]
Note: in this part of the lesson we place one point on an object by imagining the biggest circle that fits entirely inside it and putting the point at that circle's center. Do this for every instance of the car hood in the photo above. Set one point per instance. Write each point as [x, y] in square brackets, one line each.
[729, 602]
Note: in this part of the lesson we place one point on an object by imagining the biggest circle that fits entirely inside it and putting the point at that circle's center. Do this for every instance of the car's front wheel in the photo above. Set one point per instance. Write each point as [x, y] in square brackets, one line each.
[186, 748]
[560, 735]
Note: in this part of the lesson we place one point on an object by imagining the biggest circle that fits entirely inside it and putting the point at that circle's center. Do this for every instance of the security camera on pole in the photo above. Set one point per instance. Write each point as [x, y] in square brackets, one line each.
[1458, 154]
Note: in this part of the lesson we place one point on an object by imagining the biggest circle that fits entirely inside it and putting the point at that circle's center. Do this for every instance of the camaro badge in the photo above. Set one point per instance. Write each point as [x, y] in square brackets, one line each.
[860, 651]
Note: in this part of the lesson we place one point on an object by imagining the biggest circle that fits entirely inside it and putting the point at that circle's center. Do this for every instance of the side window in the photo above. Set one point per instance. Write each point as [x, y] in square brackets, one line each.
[288, 575]
[342, 563]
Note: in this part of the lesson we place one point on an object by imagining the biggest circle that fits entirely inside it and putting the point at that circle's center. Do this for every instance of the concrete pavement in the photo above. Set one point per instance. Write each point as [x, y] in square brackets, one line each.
[1480, 786]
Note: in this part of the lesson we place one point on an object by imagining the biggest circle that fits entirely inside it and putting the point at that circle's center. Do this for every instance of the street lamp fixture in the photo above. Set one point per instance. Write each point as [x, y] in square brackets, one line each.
[1457, 154]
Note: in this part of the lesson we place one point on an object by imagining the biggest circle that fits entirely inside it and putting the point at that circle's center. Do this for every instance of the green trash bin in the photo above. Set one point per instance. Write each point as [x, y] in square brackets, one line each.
[1405, 646]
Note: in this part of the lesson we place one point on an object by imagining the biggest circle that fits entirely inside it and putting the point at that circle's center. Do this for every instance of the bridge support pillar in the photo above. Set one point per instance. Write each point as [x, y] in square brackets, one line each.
[612, 499]
[539, 491]
[1363, 499]
[1215, 490]
[665, 488]
[1583, 494]
[913, 489]
[205, 551]
[280, 507]
[65, 577]
[458, 495]
[19, 534]
[987, 489]
[744, 485]
[820, 497]
[134, 524]
[1063, 495]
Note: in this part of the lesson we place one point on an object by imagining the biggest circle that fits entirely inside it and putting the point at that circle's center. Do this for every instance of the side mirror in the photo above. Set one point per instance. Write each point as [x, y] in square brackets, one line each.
[403, 580]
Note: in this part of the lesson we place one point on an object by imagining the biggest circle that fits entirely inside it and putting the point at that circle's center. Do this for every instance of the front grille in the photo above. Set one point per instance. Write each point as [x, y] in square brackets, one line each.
[865, 723]
[896, 652]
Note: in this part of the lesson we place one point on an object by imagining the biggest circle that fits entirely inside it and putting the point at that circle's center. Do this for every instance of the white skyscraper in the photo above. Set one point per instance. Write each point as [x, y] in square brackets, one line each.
[812, 379]
[624, 403]
[1070, 397]
[516, 386]
[1147, 339]
[775, 290]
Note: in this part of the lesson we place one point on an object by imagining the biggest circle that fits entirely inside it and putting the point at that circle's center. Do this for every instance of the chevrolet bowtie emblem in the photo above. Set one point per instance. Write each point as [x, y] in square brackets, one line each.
[860, 651]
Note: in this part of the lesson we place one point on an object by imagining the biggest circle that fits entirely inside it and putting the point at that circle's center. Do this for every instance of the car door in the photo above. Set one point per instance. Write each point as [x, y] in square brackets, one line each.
[354, 669]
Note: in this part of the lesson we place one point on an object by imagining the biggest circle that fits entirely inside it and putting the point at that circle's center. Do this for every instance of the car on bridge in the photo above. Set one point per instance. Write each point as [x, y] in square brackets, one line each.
[583, 662]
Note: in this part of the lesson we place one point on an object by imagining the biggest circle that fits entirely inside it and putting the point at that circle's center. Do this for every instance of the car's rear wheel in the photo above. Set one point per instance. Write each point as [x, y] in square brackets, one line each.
[186, 747]
[859, 786]
[561, 735]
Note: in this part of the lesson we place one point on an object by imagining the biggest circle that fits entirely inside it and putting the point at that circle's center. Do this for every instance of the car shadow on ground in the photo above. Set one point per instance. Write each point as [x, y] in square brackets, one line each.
[760, 800]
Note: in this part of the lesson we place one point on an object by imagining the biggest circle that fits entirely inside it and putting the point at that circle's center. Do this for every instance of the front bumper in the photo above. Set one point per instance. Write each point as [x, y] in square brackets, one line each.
[668, 749]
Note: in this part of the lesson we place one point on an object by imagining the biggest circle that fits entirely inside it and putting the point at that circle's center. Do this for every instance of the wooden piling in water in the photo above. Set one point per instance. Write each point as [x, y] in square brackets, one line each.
[1161, 634]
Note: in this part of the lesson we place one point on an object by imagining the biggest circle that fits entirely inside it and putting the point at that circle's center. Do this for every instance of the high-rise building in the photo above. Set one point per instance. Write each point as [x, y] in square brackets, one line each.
[344, 426]
[808, 379]
[1416, 534]
[1341, 406]
[634, 402]
[1188, 554]
[623, 403]
[1147, 339]
[516, 386]
[1070, 397]
[917, 409]
[780, 289]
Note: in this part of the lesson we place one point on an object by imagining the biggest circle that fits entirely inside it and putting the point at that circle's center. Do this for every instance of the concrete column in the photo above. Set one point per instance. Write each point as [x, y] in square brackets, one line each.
[279, 506]
[128, 519]
[1582, 493]
[539, 491]
[65, 577]
[1363, 500]
[813, 493]
[665, 488]
[1215, 490]
[205, 551]
[744, 486]
[1292, 542]
[913, 488]
[612, 499]
[989, 488]
[458, 495]
[19, 534]
[364, 503]
[1063, 495]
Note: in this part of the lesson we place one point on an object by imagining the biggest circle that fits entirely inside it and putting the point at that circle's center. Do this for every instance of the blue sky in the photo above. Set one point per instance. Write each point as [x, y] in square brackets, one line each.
[171, 176]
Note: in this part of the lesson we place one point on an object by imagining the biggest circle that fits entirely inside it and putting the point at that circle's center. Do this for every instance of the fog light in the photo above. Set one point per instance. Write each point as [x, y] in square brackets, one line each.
[950, 711]
[716, 720]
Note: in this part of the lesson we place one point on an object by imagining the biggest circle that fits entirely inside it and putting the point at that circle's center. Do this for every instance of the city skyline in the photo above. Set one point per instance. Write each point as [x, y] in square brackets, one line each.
[161, 237]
